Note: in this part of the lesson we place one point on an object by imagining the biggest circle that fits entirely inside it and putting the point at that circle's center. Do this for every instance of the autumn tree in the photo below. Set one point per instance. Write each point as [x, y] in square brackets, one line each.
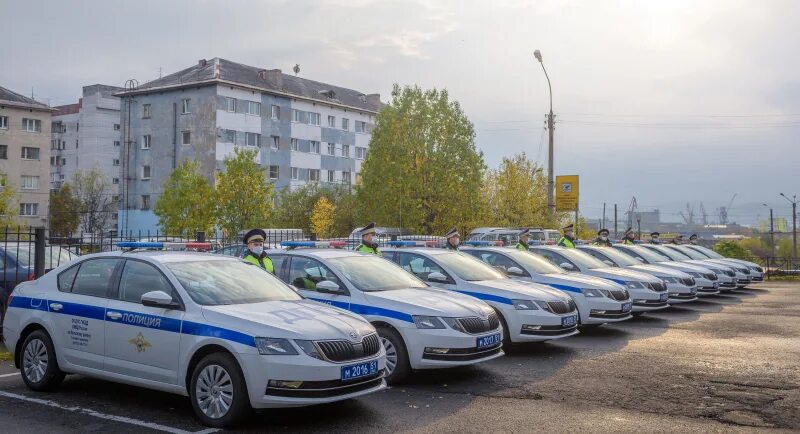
[95, 205]
[422, 171]
[322, 217]
[295, 207]
[515, 194]
[244, 197]
[188, 201]
[64, 216]
[9, 202]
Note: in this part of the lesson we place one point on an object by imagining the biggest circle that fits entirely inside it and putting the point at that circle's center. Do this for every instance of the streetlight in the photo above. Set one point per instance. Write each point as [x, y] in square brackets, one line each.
[793, 201]
[551, 205]
[771, 231]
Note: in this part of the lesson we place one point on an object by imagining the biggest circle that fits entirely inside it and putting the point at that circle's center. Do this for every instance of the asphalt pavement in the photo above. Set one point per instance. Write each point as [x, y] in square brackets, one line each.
[727, 363]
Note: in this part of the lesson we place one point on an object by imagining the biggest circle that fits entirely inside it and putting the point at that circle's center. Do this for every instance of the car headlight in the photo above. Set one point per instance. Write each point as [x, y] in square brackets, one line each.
[524, 305]
[591, 292]
[309, 348]
[275, 347]
[454, 324]
[669, 279]
[633, 284]
[427, 322]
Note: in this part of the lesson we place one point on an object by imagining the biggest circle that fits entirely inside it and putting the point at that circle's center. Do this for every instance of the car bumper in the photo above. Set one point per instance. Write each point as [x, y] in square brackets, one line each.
[612, 311]
[645, 300]
[444, 348]
[320, 381]
[538, 325]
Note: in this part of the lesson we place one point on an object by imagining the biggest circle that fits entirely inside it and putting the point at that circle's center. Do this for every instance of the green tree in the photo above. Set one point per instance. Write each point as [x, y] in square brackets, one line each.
[295, 207]
[93, 192]
[322, 217]
[515, 194]
[422, 171]
[187, 204]
[9, 202]
[244, 197]
[732, 249]
[64, 217]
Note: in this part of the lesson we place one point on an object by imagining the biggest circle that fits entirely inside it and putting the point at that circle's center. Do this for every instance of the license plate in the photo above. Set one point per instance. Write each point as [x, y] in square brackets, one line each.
[569, 321]
[716, 285]
[359, 370]
[693, 291]
[626, 307]
[664, 297]
[488, 341]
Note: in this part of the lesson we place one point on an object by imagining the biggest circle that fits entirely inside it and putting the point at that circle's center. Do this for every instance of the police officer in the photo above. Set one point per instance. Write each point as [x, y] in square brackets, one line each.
[678, 239]
[368, 244]
[602, 238]
[255, 250]
[568, 240]
[693, 239]
[654, 238]
[628, 237]
[453, 239]
[524, 236]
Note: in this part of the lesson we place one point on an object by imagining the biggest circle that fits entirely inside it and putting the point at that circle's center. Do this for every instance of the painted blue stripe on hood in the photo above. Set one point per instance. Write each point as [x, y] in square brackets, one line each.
[487, 297]
[362, 309]
[566, 288]
[197, 329]
[621, 282]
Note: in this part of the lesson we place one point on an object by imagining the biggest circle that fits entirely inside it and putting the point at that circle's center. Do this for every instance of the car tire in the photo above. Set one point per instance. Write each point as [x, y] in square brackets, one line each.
[38, 362]
[397, 366]
[506, 332]
[217, 380]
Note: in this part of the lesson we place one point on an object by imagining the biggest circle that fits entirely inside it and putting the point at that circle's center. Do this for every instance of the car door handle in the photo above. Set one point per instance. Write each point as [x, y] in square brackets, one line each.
[113, 315]
[56, 306]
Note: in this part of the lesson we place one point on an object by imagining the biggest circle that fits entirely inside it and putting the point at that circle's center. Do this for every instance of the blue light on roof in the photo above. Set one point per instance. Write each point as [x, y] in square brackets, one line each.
[298, 244]
[478, 243]
[140, 245]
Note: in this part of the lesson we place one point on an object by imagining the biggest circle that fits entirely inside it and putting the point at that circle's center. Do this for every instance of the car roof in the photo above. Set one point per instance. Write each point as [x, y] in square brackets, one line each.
[320, 253]
[429, 250]
[547, 247]
[162, 255]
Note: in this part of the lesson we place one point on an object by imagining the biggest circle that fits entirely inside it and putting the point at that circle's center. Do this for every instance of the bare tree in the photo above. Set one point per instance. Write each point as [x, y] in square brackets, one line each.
[93, 192]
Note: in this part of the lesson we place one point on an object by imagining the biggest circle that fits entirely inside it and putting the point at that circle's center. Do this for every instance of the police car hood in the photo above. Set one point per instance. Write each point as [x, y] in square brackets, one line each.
[580, 281]
[625, 275]
[298, 319]
[723, 263]
[660, 271]
[514, 289]
[707, 263]
[432, 302]
[685, 267]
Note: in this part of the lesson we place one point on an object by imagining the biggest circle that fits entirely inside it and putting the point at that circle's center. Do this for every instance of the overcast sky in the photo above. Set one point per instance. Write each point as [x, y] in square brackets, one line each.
[670, 101]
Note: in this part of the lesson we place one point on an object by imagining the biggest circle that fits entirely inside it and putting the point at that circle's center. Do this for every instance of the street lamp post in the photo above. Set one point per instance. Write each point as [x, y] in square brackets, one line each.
[793, 201]
[551, 205]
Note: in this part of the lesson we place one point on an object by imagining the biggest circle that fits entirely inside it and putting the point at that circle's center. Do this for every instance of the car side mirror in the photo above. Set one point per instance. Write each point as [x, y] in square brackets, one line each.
[567, 266]
[515, 271]
[437, 277]
[329, 287]
[159, 299]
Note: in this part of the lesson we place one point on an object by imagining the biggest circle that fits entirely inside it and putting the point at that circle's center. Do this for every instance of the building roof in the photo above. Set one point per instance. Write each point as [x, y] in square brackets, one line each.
[272, 81]
[68, 109]
[11, 98]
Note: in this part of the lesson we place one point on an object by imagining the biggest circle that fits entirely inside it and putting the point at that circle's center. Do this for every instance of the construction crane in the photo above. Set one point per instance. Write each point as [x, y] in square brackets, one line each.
[704, 214]
[724, 210]
[631, 210]
[688, 217]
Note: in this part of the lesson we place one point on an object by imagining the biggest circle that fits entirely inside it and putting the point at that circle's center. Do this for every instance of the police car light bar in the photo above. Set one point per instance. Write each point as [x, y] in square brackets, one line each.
[165, 246]
[484, 243]
[430, 243]
[314, 244]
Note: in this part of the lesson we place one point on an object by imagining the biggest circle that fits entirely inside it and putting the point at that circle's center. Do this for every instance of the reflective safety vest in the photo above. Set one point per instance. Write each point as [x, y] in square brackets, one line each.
[599, 242]
[627, 241]
[264, 261]
[522, 246]
[365, 249]
[566, 242]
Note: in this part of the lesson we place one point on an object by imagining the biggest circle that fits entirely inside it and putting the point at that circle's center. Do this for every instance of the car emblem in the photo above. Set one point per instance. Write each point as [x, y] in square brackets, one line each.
[354, 336]
[140, 343]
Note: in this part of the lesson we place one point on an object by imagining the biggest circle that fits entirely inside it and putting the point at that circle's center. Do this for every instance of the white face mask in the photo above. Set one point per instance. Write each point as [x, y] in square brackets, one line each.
[456, 241]
[604, 237]
[257, 250]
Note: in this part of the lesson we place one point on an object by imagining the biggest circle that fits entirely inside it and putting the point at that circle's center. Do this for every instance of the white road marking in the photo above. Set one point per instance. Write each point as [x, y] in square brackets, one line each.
[93, 413]
[13, 374]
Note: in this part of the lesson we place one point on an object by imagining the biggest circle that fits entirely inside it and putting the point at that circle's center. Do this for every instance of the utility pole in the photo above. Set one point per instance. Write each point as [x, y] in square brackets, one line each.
[793, 201]
[602, 225]
[551, 204]
[616, 231]
[771, 232]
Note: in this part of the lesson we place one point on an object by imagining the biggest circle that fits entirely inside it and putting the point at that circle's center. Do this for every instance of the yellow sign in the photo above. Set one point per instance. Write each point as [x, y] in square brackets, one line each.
[566, 192]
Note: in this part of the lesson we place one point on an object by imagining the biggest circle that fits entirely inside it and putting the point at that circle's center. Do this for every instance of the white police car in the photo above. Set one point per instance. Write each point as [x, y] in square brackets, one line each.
[592, 295]
[529, 312]
[420, 327]
[726, 276]
[740, 271]
[648, 293]
[223, 332]
[756, 271]
[706, 281]
[680, 286]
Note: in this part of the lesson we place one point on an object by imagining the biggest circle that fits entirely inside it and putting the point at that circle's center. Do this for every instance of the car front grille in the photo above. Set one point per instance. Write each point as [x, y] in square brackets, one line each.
[618, 295]
[744, 270]
[475, 325]
[688, 281]
[710, 276]
[729, 273]
[343, 351]
[658, 287]
[560, 307]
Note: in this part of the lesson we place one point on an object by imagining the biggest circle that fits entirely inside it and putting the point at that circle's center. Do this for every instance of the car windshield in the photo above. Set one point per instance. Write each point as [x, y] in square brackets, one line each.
[673, 254]
[619, 258]
[370, 273]
[534, 262]
[24, 254]
[708, 252]
[583, 259]
[688, 252]
[468, 268]
[214, 283]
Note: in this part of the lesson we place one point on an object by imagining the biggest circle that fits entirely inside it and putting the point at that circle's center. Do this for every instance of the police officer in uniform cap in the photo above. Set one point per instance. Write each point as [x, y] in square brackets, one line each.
[654, 238]
[629, 236]
[602, 238]
[693, 239]
[524, 236]
[255, 254]
[368, 244]
[453, 239]
[678, 239]
[568, 240]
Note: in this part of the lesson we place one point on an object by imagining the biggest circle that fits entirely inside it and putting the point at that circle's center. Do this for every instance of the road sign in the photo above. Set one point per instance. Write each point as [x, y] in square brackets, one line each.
[566, 192]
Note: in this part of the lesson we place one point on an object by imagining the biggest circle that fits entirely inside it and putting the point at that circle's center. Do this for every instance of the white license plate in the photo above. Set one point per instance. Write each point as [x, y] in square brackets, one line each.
[364, 369]
[626, 307]
[569, 321]
[664, 297]
[489, 341]
[716, 285]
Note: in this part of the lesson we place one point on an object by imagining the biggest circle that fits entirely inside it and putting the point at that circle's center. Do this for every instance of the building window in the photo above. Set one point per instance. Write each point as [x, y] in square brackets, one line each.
[331, 148]
[186, 138]
[275, 112]
[30, 153]
[4, 122]
[145, 201]
[254, 108]
[230, 104]
[331, 176]
[313, 147]
[3, 152]
[145, 172]
[185, 106]
[29, 209]
[116, 143]
[296, 115]
[295, 145]
[146, 141]
[274, 171]
[313, 175]
[295, 173]
[314, 118]
[115, 181]
[63, 161]
[116, 127]
[346, 151]
[361, 152]
[30, 182]
[361, 127]
[116, 162]
[32, 125]
[345, 124]
[332, 121]
[275, 142]
[52, 161]
[146, 111]
[346, 177]
[252, 139]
